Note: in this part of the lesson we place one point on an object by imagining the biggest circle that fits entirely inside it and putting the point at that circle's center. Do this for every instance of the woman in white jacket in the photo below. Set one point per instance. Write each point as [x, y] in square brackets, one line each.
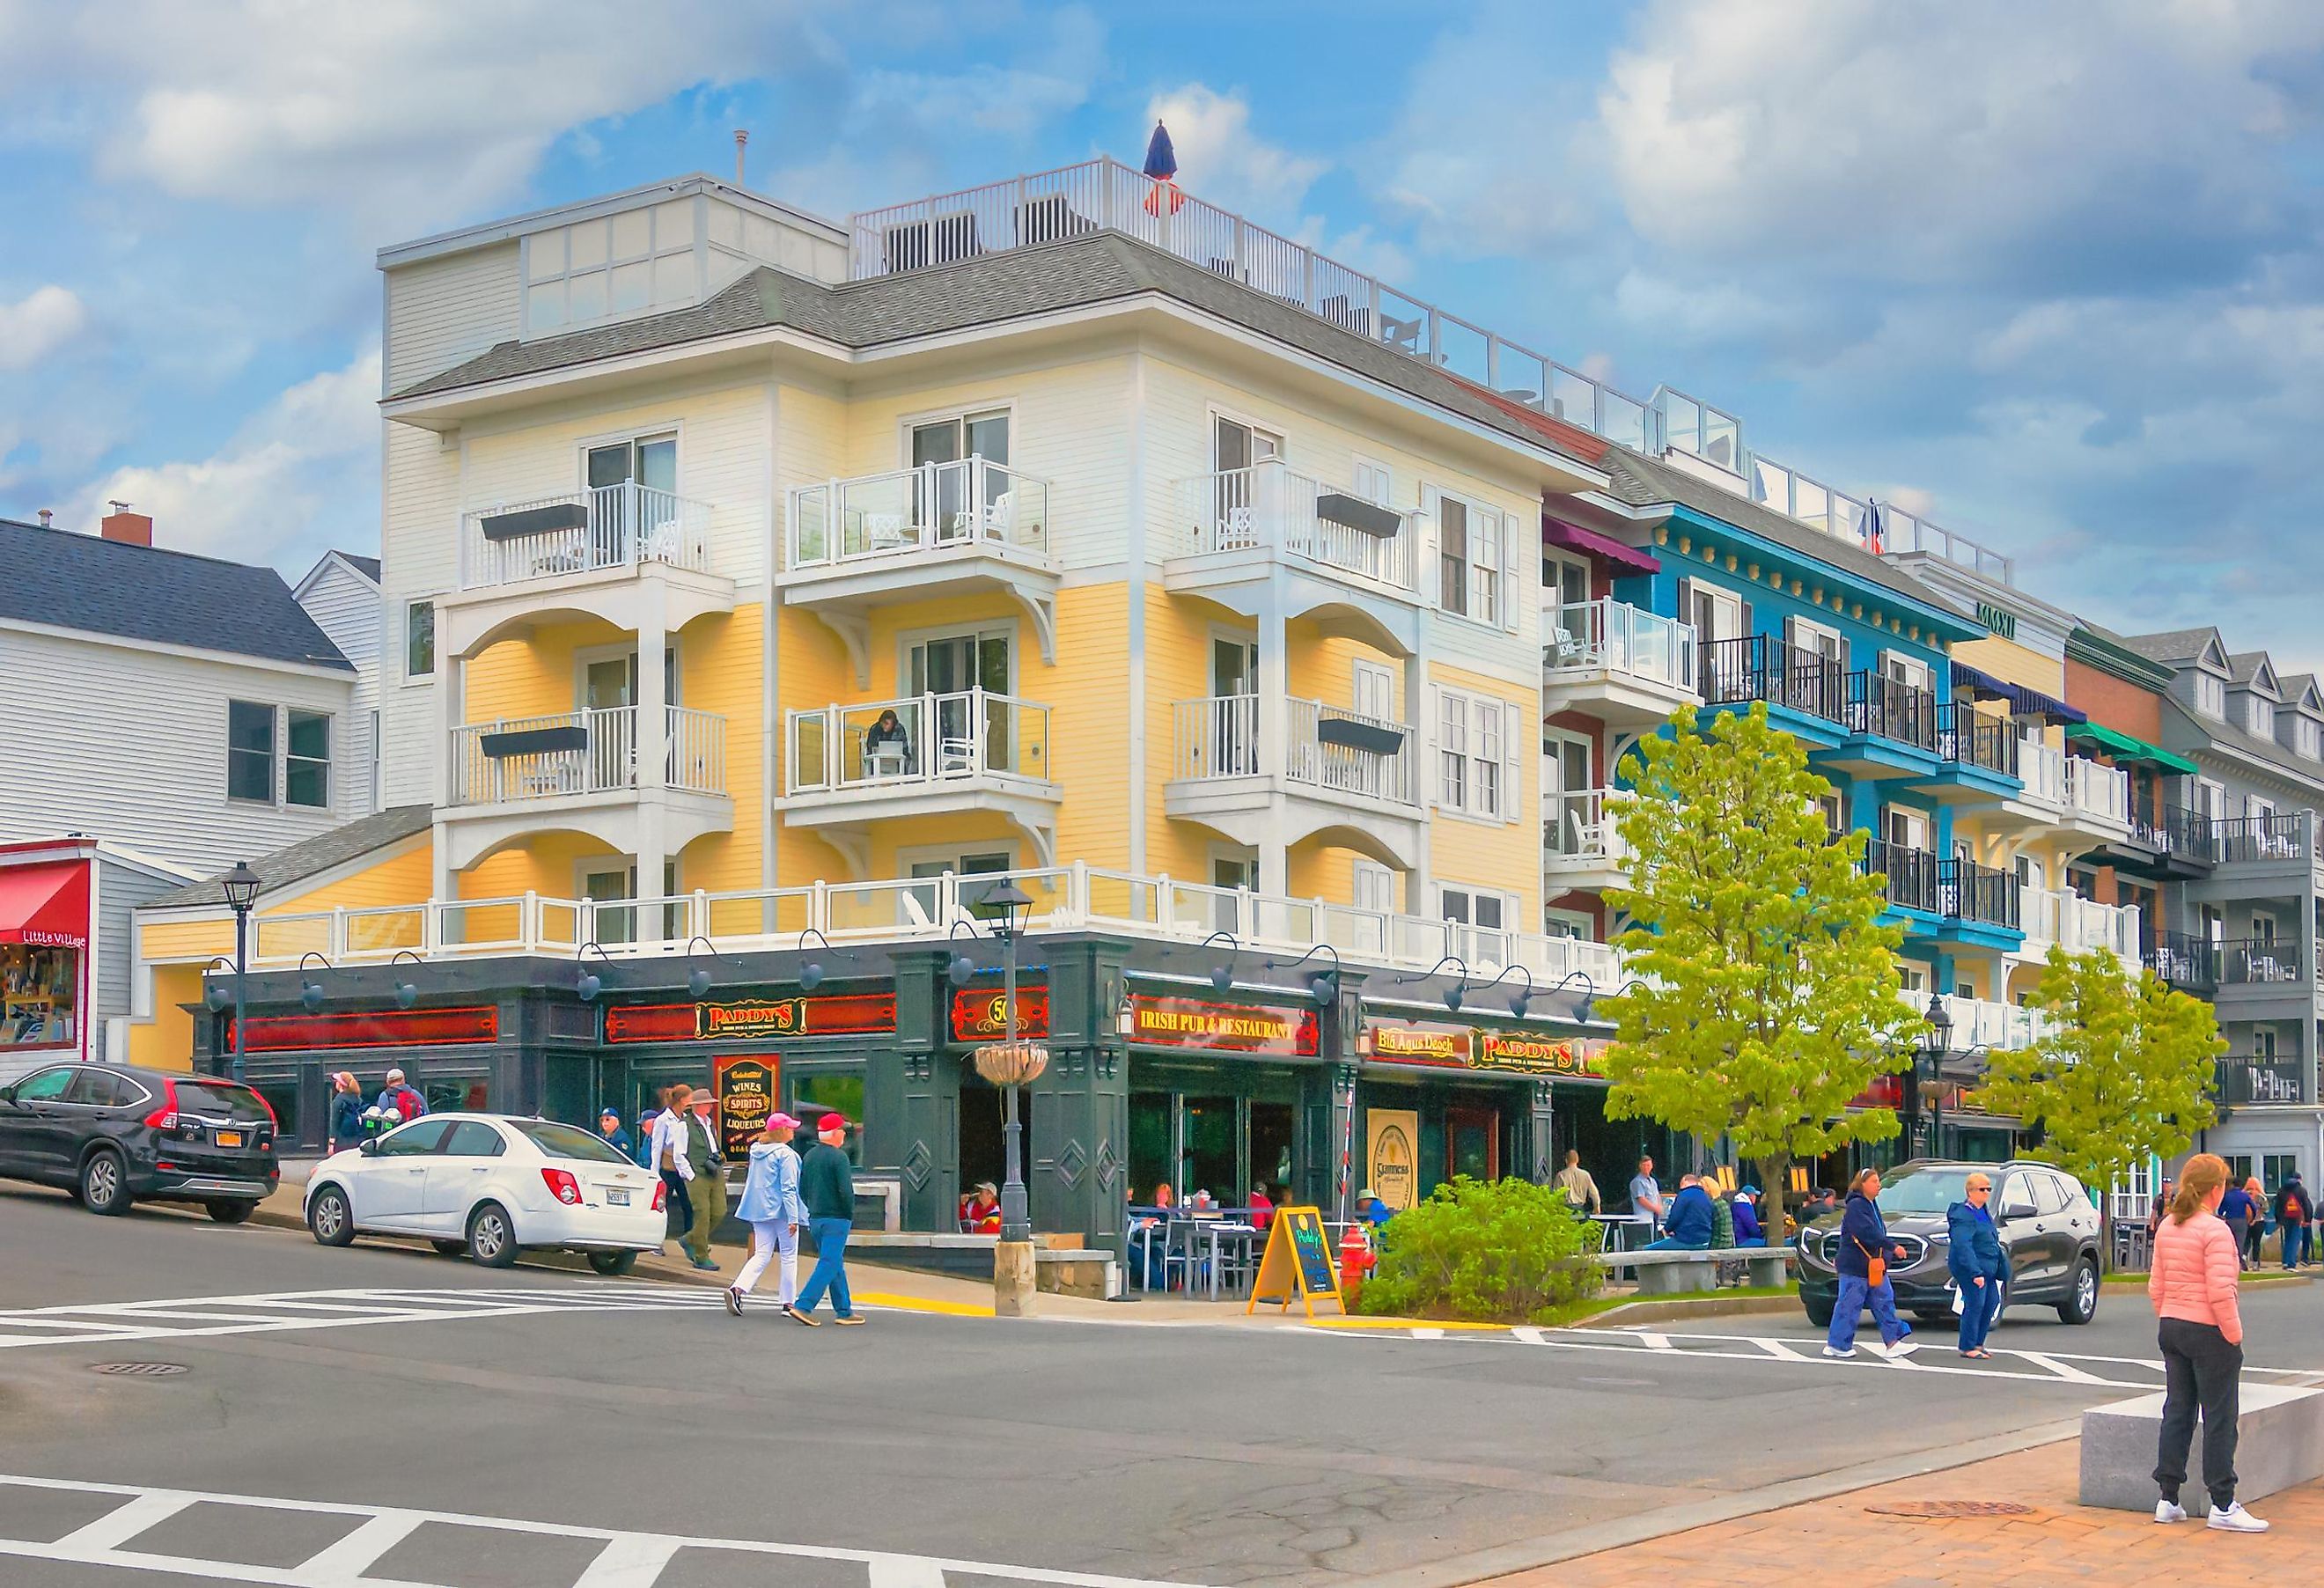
[770, 1205]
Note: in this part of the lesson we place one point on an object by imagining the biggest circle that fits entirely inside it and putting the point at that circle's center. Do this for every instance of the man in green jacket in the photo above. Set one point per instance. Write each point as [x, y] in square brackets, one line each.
[706, 1187]
[827, 1186]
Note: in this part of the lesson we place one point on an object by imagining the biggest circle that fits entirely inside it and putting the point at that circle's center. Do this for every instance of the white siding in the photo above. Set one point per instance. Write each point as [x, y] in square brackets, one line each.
[347, 607]
[135, 751]
[419, 537]
[442, 312]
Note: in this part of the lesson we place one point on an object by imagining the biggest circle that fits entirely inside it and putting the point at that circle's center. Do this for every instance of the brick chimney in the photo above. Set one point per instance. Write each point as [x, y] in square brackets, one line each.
[131, 529]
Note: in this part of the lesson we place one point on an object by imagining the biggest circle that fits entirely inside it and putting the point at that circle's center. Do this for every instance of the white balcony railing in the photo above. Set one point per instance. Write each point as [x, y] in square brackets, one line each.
[1613, 636]
[592, 752]
[2070, 783]
[1578, 832]
[1270, 504]
[626, 525]
[1326, 747]
[918, 740]
[971, 502]
[1981, 1023]
[2062, 916]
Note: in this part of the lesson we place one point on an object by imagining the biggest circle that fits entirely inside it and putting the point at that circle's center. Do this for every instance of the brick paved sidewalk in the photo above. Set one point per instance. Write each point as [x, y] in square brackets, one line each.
[2058, 1542]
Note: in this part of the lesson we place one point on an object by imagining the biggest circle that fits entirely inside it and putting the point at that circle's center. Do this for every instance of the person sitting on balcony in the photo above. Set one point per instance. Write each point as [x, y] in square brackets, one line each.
[887, 730]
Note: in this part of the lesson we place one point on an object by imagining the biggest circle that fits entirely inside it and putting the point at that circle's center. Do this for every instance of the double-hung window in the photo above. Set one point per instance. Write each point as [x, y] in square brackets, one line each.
[1469, 549]
[2304, 737]
[307, 760]
[250, 752]
[1477, 739]
[2210, 694]
[2259, 717]
[420, 639]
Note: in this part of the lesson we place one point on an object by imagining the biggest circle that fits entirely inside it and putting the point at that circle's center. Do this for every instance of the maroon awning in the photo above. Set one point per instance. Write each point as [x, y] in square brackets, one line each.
[1628, 559]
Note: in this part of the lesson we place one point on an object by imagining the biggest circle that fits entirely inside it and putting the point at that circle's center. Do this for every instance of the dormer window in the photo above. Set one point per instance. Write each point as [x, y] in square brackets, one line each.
[2304, 738]
[2210, 694]
[2259, 717]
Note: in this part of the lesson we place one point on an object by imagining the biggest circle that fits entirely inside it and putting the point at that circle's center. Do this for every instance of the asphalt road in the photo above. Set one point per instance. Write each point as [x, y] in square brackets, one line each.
[401, 1403]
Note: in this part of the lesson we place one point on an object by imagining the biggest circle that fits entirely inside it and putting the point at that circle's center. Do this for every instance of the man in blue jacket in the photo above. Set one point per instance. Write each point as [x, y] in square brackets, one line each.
[1687, 1226]
[1977, 1262]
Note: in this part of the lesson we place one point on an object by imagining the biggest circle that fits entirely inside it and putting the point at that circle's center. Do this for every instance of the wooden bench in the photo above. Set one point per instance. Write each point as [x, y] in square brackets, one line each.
[1672, 1273]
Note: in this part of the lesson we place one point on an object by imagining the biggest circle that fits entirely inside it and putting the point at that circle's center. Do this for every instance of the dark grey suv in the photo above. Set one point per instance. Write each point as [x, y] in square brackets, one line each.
[113, 1135]
[2046, 1222]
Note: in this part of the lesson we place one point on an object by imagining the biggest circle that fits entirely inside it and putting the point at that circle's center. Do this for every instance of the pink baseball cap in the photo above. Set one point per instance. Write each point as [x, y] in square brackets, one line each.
[779, 1121]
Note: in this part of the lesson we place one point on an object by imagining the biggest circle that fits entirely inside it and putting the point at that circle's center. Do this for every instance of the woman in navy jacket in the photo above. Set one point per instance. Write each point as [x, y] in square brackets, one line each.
[1978, 1266]
[1862, 1238]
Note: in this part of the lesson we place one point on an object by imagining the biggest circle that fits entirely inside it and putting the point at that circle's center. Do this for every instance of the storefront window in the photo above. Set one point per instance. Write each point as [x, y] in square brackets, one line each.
[840, 1093]
[447, 1094]
[42, 990]
[282, 1097]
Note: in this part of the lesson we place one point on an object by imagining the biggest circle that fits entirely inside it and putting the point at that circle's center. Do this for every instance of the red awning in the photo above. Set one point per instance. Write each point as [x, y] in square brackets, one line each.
[1628, 559]
[45, 906]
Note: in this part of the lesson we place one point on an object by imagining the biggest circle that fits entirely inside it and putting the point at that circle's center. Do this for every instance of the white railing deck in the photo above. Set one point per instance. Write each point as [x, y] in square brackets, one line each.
[932, 738]
[589, 752]
[1614, 636]
[1325, 746]
[1982, 1023]
[627, 525]
[907, 511]
[1271, 504]
[2062, 916]
[2072, 783]
[1578, 832]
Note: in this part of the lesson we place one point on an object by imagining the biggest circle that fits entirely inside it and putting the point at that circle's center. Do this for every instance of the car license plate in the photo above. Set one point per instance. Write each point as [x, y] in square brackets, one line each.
[617, 1198]
[229, 1138]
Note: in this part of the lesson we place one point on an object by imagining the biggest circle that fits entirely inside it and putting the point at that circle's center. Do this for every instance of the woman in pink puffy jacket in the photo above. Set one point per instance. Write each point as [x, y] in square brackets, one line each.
[2193, 1285]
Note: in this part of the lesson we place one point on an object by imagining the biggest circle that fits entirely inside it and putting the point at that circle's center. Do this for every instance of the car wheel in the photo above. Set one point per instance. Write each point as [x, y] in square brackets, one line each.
[231, 1213]
[104, 1183]
[491, 1239]
[329, 1217]
[612, 1264]
[1819, 1312]
[450, 1247]
[2081, 1303]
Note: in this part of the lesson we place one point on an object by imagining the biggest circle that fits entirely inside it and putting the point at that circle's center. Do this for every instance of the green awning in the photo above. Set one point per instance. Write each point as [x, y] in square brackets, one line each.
[2123, 747]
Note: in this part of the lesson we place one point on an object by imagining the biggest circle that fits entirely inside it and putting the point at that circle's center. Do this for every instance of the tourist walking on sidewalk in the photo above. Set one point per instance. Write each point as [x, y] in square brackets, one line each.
[2257, 1232]
[2193, 1284]
[770, 1205]
[346, 1113]
[1978, 1266]
[2293, 1213]
[827, 1185]
[1581, 1190]
[668, 1154]
[2237, 1208]
[705, 1179]
[1864, 1257]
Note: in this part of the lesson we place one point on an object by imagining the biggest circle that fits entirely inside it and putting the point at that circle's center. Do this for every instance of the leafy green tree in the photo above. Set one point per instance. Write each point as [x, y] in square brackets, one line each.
[2123, 1073]
[1772, 998]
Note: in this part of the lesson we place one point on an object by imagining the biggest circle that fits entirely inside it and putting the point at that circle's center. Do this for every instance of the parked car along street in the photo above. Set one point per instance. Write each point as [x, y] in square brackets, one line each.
[114, 1135]
[491, 1186]
[2047, 1224]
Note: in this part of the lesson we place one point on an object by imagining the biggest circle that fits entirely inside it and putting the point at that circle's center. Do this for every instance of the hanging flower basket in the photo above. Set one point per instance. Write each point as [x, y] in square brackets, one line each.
[1011, 1064]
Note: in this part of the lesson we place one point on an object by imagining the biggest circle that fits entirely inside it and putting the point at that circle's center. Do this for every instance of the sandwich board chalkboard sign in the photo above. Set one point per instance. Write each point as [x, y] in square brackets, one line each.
[1298, 1263]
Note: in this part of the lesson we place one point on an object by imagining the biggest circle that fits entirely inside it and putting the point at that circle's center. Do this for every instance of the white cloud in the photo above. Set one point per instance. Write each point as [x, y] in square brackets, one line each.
[1223, 163]
[299, 477]
[35, 327]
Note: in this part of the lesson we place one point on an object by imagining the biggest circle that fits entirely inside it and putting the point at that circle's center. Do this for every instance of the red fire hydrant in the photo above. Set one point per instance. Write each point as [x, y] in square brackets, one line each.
[1356, 1260]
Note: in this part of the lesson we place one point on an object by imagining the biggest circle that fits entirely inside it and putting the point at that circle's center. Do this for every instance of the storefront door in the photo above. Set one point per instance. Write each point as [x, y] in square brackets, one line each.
[1207, 1149]
[1473, 1143]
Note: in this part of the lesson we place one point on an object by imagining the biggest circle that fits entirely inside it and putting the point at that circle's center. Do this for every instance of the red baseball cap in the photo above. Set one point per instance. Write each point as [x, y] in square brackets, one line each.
[831, 1122]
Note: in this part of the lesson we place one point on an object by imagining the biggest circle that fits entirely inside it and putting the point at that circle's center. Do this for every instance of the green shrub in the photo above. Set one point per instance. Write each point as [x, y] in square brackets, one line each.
[1495, 1254]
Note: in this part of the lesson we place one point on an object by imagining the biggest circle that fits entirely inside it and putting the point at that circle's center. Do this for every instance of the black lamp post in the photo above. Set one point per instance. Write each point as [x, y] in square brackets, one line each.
[240, 885]
[1928, 1069]
[1014, 1063]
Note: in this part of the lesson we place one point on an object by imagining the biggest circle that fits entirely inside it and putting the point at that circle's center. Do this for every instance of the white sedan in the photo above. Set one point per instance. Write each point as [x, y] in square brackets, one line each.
[491, 1186]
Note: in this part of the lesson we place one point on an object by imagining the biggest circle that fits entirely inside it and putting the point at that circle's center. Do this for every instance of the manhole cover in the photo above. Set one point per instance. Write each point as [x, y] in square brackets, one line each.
[139, 1370]
[1948, 1509]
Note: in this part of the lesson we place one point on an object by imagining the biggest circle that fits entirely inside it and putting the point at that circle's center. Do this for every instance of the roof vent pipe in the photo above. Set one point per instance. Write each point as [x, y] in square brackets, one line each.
[741, 136]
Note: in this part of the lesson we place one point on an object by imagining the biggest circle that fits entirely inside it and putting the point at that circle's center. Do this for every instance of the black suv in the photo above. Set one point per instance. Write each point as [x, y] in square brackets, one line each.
[2046, 1223]
[113, 1135]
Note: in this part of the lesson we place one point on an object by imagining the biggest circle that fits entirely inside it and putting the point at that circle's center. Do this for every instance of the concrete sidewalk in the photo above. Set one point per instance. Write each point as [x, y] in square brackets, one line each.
[2047, 1538]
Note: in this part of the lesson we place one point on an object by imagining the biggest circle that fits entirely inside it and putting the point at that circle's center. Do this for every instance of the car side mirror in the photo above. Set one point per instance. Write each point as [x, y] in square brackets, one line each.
[8, 1096]
[370, 1147]
[2014, 1211]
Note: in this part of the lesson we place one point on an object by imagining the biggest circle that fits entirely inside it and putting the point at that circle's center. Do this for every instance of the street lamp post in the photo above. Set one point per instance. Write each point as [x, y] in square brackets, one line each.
[1009, 1064]
[1928, 1068]
[240, 885]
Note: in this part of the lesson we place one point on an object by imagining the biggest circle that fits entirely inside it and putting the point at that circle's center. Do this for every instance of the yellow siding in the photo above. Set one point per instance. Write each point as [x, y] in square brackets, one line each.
[719, 673]
[403, 876]
[1177, 667]
[166, 1042]
[1089, 724]
[159, 941]
[1503, 856]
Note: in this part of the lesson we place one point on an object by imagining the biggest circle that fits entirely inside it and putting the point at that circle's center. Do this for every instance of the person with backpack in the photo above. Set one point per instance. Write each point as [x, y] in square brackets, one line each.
[2293, 1214]
[401, 1100]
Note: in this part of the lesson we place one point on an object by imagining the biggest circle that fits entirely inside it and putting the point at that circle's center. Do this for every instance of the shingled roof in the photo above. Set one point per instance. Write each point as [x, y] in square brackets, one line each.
[65, 580]
[310, 858]
[989, 289]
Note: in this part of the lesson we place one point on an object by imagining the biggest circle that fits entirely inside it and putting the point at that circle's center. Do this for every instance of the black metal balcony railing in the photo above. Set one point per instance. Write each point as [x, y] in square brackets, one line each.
[2185, 961]
[2255, 1080]
[2176, 831]
[1967, 737]
[2258, 961]
[2258, 838]
[1912, 874]
[1972, 892]
[1760, 667]
[1891, 709]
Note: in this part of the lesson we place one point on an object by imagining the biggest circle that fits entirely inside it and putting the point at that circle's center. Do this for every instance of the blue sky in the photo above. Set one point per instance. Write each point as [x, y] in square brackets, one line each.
[2050, 276]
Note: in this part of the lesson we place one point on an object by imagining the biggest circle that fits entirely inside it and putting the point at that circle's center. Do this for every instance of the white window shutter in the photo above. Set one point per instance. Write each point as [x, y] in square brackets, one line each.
[1514, 740]
[1514, 583]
